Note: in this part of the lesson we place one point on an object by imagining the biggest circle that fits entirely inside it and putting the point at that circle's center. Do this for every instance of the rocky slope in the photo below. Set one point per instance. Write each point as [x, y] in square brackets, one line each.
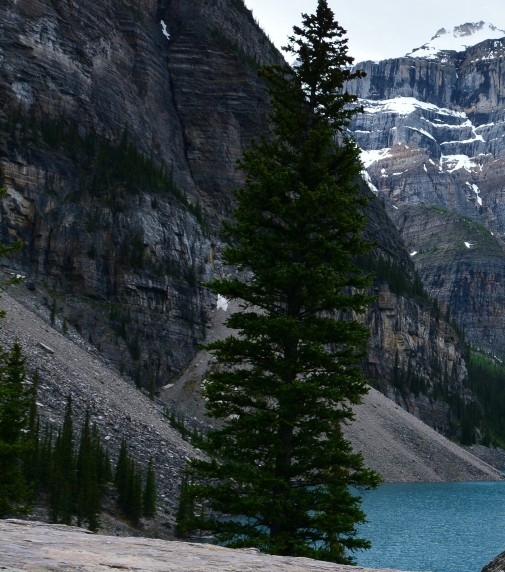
[394, 442]
[432, 136]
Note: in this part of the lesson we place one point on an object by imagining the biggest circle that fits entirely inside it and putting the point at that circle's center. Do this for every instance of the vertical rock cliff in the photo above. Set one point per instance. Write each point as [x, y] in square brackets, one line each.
[432, 140]
[120, 126]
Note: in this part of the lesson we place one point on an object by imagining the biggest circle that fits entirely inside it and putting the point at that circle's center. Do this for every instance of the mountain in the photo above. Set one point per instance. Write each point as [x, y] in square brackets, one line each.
[457, 39]
[120, 127]
[434, 153]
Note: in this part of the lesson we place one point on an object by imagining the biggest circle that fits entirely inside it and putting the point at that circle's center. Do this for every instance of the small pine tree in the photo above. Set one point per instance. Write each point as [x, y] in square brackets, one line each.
[121, 473]
[17, 432]
[104, 469]
[63, 471]
[88, 505]
[53, 312]
[130, 498]
[186, 509]
[149, 494]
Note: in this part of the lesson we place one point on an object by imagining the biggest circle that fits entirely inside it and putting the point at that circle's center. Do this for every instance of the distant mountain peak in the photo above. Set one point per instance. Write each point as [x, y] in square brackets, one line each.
[457, 39]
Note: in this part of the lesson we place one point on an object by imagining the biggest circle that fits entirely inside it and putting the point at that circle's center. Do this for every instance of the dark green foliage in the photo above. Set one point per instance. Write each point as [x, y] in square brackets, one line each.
[71, 476]
[134, 500]
[149, 494]
[486, 378]
[62, 480]
[74, 475]
[185, 517]
[53, 312]
[87, 477]
[396, 276]
[120, 476]
[17, 432]
[279, 467]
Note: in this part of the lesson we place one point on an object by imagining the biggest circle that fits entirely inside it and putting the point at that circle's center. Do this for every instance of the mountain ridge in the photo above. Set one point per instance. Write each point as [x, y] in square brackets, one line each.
[457, 39]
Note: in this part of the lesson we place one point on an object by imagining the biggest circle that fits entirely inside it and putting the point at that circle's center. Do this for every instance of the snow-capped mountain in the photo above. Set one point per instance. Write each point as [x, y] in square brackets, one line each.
[433, 144]
[457, 39]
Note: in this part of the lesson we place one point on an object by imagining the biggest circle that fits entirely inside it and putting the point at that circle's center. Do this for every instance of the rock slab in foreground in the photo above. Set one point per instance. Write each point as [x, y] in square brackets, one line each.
[37, 547]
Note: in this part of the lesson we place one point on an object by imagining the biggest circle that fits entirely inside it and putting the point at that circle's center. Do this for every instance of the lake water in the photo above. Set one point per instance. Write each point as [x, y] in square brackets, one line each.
[441, 527]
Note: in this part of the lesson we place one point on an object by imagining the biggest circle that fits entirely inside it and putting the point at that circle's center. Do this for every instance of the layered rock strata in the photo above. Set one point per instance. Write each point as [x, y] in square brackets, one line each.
[432, 135]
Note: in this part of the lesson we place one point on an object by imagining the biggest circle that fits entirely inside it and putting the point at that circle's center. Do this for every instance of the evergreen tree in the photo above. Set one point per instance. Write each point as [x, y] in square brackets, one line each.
[104, 469]
[63, 471]
[149, 494]
[186, 508]
[17, 432]
[134, 509]
[88, 505]
[279, 464]
[121, 473]
[128, 481]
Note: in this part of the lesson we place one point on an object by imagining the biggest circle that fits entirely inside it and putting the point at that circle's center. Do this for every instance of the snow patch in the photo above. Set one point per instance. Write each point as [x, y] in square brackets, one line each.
[455, 162]
[469, 244]
[422, 131]
[374, 155]
[457, 39]
[368, 181]
[476, 190]
[164, 29]
[413, 253]
[404, 106]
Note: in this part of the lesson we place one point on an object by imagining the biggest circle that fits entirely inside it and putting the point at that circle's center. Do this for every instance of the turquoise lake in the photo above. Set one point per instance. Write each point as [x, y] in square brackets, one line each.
[441, 527]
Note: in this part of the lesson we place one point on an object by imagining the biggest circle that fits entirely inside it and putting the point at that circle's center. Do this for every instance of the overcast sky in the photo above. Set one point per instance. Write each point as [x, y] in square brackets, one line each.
[379, 29]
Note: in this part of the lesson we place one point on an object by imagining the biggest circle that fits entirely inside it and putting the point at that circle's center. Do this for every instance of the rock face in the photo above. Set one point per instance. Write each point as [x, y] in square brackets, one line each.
[432, 136]
[97, 100]
[496, 565]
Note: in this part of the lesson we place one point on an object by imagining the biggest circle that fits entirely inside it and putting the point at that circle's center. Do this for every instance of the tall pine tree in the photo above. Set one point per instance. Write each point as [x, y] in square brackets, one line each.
[279, 467]
[88, 493]
[62, 485]
[17, 431]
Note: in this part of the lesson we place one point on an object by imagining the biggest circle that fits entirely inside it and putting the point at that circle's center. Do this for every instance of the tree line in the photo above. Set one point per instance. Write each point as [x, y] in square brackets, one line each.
[68, 471]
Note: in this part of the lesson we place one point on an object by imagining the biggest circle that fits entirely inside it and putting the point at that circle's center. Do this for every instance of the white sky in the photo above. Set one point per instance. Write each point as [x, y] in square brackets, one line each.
[379, 29]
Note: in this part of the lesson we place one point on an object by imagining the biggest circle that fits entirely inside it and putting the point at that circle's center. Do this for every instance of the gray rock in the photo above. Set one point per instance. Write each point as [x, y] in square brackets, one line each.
[37, 547]
[432, 135]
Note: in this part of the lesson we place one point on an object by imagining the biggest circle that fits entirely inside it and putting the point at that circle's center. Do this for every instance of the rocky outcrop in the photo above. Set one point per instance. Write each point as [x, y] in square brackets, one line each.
[496, 565]
[36, 547]
[432, 136]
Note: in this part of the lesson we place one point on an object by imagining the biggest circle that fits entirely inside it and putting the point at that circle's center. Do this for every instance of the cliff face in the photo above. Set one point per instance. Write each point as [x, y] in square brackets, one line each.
[432, 136]
[120, 126]
[415, 357]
